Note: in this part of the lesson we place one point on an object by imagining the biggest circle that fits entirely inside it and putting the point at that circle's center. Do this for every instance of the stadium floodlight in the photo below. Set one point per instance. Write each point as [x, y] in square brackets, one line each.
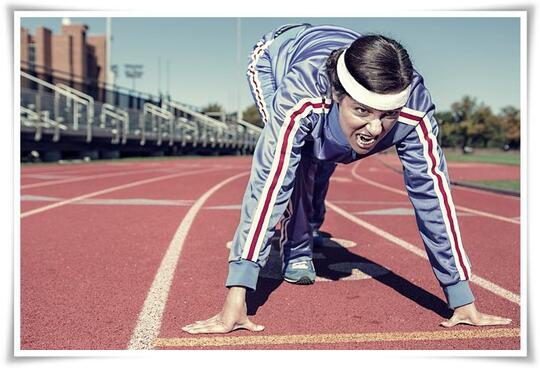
[114, 73]
[133, 71]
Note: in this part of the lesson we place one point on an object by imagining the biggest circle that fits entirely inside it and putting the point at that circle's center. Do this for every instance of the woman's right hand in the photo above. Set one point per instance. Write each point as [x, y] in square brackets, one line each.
[232, 317]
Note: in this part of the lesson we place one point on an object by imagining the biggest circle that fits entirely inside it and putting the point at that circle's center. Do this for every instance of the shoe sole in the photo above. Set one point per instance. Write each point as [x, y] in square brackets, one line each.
[302, 281]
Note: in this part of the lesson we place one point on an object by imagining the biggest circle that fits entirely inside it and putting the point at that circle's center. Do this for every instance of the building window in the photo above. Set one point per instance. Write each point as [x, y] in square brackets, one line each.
[32, 56]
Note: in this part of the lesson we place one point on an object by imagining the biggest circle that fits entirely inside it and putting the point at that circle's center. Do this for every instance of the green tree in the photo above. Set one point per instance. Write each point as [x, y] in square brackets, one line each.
[214, 110]
[482, 126]
[463, 111]
[471, 124]
[212, 107]
[510, 123]
[251, 115]
[448, 129]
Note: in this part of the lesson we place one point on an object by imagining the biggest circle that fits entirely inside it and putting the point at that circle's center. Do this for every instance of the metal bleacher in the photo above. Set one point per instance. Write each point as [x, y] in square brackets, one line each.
[56, 113]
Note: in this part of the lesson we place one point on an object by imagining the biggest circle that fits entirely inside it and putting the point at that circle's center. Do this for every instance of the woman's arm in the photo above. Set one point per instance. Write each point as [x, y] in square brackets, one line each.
[270, 186]
[427, 182]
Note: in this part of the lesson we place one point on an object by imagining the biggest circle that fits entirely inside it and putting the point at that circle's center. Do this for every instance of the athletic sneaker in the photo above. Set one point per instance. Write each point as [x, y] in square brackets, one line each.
[300, 272]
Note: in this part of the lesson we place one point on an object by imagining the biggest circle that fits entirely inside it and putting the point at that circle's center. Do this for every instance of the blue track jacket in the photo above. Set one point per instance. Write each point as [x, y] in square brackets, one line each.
[288, 80]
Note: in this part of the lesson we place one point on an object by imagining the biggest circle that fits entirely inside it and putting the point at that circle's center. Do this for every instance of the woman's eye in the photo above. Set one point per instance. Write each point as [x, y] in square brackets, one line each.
[361, 110]
[391, 115]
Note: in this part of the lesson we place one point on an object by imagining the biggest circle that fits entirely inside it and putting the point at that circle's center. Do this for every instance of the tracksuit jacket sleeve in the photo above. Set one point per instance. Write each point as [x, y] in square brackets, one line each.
[428, 185]
[271, 182]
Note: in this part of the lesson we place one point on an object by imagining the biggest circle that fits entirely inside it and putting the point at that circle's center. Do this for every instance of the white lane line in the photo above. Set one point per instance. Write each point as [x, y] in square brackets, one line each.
[488, 285]
[372, 202]
[80, 178]
[26, 172]
[341, 179]
[234, 207]
[150, 318]
[399, 211]
[485, 192]
[115, 201]
[109, 190]
[458, 187]
[402, 192]
[46, 176]
[104, 169]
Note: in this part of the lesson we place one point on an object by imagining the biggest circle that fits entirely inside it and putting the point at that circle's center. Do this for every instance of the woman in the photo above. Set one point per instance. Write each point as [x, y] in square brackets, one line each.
[328, 95]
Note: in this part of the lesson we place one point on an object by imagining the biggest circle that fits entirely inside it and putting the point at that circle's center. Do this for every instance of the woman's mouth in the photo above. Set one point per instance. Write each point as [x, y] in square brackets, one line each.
[365, 141]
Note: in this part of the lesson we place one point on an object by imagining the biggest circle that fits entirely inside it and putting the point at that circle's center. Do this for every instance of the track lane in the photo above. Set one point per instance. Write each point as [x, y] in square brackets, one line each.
[85, 270]
[494, 251]
[88, 177]
[118, 184]
[497, 204]
[466, 170]
[149, 319]
[386, 181]
[326, 307]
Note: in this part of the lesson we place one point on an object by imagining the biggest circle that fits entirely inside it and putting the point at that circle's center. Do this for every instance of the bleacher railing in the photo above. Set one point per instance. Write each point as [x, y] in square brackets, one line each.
[64, 109]
[73, 105]
[117, 119]
[155, 120]
[40, 121]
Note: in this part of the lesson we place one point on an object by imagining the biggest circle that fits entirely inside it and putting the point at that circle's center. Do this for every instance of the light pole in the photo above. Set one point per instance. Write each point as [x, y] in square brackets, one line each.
[110, 72]
[238, 66]
[114, 73]
[111, 85]
[133, 71]
[108, 62]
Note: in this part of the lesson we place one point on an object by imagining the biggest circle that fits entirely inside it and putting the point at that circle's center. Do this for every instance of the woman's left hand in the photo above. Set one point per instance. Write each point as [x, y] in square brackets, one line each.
[468, 314]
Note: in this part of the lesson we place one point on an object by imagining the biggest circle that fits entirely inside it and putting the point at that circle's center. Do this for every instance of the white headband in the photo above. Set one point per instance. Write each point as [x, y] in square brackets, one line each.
[361, 94]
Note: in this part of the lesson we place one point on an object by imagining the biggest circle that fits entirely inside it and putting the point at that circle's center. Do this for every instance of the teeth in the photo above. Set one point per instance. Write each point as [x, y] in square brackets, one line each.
[362, 140]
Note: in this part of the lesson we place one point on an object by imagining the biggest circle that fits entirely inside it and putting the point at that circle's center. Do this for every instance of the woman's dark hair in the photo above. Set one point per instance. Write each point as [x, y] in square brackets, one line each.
[378, 63]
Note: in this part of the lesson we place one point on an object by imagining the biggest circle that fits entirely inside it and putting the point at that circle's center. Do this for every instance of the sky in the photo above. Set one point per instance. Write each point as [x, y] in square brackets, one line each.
[472, 56]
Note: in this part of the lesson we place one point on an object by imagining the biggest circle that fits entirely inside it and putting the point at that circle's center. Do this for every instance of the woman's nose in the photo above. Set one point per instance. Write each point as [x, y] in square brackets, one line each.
[374, 127]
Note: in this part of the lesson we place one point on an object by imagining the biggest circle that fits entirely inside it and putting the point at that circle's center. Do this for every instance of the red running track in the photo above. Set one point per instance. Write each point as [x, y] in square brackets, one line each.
[87, 267]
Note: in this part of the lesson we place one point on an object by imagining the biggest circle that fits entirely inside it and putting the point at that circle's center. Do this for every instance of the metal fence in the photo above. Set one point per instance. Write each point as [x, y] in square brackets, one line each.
[62, 110]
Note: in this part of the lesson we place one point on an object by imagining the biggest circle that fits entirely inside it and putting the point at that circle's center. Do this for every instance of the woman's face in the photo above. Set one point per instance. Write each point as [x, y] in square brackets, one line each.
[364, 126]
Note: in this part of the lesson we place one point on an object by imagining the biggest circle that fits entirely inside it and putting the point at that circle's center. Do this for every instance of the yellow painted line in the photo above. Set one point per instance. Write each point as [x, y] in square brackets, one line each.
[473, 333]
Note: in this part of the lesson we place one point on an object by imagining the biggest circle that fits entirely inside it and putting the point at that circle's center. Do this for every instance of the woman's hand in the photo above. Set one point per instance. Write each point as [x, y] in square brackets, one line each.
[232, 317]
[468, 314]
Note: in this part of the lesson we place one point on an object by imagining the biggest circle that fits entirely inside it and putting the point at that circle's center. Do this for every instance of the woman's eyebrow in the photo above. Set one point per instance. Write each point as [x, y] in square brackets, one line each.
[389, 112]
[358, 104]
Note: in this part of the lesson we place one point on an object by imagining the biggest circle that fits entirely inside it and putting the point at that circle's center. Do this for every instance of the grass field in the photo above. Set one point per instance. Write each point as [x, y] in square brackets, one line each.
[493, 156]
[512, 185]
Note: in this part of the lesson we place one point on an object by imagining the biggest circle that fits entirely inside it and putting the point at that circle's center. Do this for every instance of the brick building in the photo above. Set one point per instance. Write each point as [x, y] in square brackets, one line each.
[72, 55]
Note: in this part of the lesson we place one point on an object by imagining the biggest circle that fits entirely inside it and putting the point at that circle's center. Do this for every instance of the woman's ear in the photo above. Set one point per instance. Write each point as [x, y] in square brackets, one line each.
[335, 96]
